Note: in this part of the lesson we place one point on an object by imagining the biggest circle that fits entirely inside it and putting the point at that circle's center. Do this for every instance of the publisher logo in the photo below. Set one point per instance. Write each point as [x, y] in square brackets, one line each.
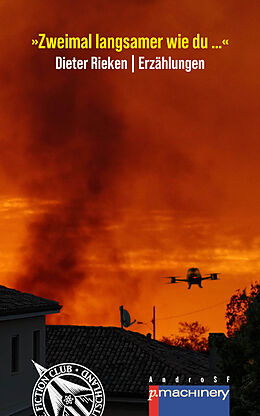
[188, 400]
[67, 389]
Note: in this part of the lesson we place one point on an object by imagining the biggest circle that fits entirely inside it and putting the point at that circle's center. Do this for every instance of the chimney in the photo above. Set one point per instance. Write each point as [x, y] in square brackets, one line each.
[149, 337]
[215, 339]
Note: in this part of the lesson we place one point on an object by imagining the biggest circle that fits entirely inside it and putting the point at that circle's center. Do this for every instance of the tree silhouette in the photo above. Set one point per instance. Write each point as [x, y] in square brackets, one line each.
[192, 337]
[237, 306]
[240, 359]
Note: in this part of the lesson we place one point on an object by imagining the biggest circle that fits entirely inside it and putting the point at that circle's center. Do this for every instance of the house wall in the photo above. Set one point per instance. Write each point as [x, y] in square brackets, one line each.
[16, 388]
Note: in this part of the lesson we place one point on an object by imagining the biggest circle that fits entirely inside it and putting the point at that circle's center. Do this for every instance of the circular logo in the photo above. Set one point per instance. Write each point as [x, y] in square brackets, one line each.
[67, 389]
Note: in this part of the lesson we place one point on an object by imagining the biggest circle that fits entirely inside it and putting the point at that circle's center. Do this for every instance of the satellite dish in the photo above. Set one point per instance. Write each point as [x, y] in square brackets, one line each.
[125, 318]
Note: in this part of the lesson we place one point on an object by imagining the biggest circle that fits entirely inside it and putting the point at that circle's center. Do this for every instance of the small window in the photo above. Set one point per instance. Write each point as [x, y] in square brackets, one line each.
[15, 354]
[36, 345]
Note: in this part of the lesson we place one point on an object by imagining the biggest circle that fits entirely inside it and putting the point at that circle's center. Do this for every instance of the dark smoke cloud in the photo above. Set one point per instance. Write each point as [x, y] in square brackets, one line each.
[75, 150]
[159, 167]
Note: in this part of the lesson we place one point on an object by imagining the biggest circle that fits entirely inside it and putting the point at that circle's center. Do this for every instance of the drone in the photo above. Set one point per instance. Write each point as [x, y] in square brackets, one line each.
[193, 277]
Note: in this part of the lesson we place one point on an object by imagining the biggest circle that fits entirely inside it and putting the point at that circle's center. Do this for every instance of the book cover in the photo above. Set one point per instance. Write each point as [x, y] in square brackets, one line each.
[129, 178]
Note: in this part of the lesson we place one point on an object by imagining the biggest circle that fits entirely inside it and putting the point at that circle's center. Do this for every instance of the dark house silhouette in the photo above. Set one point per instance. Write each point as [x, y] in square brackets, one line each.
[22, 336]
[124, 361]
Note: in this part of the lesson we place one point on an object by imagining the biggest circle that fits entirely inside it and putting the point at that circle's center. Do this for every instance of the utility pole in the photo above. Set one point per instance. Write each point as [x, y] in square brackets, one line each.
[121, 308]
[153, 322]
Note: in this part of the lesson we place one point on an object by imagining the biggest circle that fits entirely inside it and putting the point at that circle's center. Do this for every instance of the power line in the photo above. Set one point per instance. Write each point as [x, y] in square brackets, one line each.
[144, 323]
[190, 313]
[152, 321]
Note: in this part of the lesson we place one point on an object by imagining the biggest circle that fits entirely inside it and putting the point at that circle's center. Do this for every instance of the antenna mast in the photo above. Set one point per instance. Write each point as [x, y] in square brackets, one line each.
[153, 322]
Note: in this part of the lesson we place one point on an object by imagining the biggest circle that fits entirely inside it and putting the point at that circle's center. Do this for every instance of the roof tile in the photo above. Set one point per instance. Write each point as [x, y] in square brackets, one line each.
[13, 302]
[123, 360]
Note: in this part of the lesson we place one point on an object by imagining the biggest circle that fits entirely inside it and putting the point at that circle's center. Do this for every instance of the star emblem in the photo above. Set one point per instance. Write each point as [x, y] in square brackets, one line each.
[68, 400]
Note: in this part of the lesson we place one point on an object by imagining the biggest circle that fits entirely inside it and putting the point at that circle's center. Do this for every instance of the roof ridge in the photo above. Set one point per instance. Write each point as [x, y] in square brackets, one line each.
[150, 343]
[134, 340]
[133, 335]
[166, 360]
[28, 293]
[123, 360]
[15, 302]
[147, 346]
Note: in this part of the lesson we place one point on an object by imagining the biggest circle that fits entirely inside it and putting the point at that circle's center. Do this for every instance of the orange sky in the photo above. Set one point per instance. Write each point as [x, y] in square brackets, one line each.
[111, 180]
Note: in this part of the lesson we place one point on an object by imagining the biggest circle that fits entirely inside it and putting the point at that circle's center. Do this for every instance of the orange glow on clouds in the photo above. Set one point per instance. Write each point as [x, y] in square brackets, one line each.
[110, 181]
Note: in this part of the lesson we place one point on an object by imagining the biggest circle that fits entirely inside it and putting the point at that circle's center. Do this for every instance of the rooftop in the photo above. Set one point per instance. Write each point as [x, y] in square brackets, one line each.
[13, 302]
[123, 360]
